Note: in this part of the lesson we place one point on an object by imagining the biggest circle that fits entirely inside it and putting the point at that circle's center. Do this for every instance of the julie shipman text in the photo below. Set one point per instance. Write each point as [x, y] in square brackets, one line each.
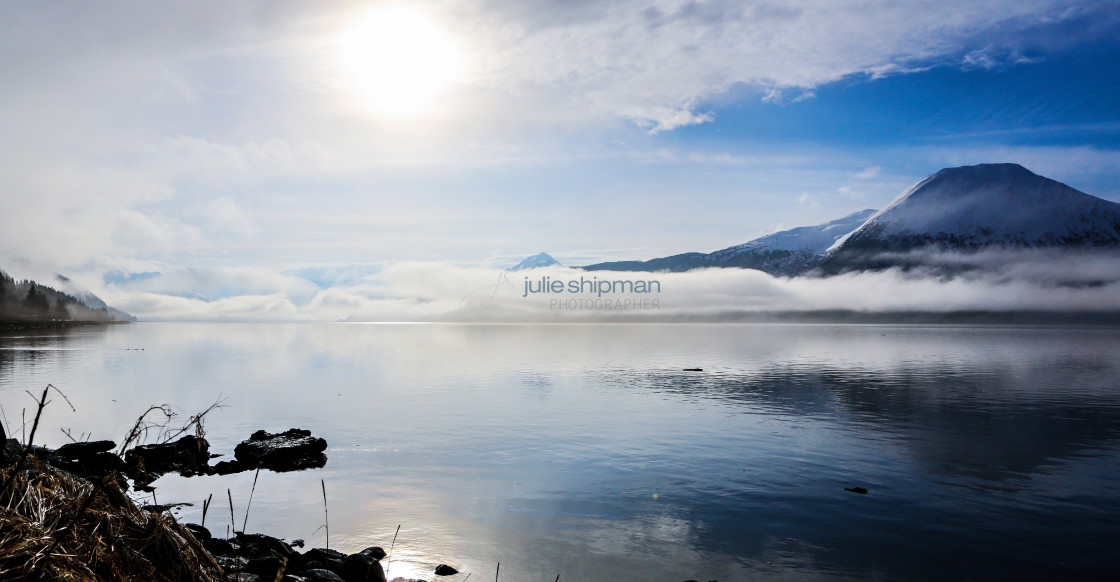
[592, 285]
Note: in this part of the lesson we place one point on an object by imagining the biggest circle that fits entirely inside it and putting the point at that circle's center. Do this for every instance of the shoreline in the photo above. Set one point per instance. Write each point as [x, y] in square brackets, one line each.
[21, 325]
[73, 519]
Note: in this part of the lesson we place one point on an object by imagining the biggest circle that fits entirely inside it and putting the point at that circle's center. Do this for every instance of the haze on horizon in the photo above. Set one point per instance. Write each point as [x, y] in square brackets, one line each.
[286, 160]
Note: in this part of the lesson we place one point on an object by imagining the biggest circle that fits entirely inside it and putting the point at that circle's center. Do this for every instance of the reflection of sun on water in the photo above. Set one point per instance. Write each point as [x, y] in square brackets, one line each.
[400, 61]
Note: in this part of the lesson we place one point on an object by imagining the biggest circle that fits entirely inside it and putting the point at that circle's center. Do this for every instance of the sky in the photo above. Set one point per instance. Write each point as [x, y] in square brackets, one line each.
[270, 159]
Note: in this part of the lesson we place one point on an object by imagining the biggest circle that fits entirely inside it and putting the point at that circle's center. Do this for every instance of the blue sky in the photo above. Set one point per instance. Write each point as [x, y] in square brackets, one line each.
[240, 147]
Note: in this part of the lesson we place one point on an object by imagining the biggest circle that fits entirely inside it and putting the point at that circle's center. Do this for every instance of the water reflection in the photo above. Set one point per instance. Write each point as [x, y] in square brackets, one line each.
[989, 453]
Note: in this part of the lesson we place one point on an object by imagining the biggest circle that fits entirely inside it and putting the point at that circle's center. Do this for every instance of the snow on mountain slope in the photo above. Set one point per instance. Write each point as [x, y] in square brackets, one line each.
[785, 253]
[812, 239]
[976, 207]
[535, 261]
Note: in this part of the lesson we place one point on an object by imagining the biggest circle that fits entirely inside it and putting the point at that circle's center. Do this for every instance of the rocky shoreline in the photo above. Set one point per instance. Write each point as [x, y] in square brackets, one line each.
[58, 501]
[64, 515]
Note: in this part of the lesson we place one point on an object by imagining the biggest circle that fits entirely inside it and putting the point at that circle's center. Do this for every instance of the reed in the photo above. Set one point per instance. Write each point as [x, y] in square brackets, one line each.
[54, 526]
[232, 519]
[391, 546]
[326, 517]
[206, 508]
[250, 504]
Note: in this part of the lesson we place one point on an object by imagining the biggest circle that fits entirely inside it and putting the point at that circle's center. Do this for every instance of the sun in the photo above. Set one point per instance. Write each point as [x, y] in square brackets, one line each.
[400, 61]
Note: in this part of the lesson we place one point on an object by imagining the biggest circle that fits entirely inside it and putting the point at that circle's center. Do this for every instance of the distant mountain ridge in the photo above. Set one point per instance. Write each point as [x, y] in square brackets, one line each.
[785, 253]
[27, 301]
[962, 210]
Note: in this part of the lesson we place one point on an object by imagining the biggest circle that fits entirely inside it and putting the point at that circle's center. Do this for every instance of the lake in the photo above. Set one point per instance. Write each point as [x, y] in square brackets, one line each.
[988, 453]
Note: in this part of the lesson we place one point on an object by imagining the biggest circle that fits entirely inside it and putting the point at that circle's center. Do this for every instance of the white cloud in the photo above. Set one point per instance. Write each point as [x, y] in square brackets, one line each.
[1048, 280]
[654, 61]
[870, 172]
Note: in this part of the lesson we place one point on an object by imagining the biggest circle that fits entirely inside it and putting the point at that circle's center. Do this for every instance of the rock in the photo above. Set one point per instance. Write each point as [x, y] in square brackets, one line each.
[292, 450]
[859, 490]
[445, 570]
[266, 567]
[218, 547]
[231, 563]
[189, 455]
[200, 533]
[374, 552]
[245, 577]
[362, 568]
[332, 560]
[85, 450]
[88, 460]
[319, 575]
[10, 453]
[162, 507]
[230, 467]
[260, 546]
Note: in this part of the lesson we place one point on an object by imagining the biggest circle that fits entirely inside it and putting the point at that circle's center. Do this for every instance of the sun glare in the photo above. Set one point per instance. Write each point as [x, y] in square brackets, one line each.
[400, 61]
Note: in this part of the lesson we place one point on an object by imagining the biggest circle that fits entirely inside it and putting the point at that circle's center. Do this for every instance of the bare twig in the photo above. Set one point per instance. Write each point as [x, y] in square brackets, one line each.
[42, 403]
[6, 426]
[144, 427]
[63, 395]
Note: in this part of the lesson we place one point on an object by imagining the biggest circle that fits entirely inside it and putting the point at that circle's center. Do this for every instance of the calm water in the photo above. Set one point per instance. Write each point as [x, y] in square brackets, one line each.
[585, 450]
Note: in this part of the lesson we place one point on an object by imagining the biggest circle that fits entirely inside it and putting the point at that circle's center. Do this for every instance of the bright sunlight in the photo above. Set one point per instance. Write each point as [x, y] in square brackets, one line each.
[400, 61]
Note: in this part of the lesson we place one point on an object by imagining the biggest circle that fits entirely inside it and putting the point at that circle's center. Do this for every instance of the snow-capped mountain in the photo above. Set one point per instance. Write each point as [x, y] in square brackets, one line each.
[535, 261]
[975, 207]
[789, 252]
[786, 253]
[812, 239]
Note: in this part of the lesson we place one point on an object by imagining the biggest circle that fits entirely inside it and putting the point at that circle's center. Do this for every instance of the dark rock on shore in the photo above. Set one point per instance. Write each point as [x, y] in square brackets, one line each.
[374, 552]
[321, 575]
[261, 546]
[10, 453]
[362, 568]
[292, 450]
[189, 455]
[218, 547]
[200, 533]
[445, 570]
[262, 556]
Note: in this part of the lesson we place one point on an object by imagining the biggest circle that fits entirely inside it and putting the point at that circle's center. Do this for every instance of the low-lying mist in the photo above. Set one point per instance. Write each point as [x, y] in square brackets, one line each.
[998, 281]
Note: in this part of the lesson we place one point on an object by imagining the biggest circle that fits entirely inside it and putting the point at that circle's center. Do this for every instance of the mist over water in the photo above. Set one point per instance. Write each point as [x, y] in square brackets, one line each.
[587, 451]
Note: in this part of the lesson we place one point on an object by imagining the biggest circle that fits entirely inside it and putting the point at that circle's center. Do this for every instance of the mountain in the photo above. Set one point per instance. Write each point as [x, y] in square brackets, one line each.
[535, 261]
[785, 253]
[977, 207]
[29, 302]
[88, 299]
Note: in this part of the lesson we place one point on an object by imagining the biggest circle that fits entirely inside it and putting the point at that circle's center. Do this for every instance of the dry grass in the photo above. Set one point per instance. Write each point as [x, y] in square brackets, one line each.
[54, 526]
